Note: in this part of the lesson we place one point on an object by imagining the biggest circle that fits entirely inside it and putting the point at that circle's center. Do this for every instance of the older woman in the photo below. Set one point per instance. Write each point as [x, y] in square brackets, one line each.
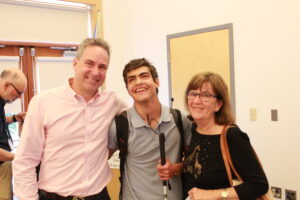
[204, 174]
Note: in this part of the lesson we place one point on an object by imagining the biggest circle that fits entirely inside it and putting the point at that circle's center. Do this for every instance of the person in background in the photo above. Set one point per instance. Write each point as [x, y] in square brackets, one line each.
[66, 130]
[204, 174]
[143, 175]
[13, 83]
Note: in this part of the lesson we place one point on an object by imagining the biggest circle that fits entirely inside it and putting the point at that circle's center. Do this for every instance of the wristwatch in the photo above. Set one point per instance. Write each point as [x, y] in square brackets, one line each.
[14, 118]
[224, 194]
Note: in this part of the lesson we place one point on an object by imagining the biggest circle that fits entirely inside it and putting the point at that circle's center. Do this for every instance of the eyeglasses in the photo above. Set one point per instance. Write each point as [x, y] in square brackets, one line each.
[18, 91]
[204, 96]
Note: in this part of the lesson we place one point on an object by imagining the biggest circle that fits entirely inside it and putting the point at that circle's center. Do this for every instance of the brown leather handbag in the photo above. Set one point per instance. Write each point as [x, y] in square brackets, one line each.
[229, 165]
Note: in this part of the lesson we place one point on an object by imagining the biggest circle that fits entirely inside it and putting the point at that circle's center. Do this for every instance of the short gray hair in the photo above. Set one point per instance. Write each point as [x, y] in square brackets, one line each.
[92, 42]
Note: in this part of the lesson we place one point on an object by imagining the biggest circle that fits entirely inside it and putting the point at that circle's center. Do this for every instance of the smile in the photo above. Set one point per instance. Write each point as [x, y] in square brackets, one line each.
[92, 79]
[140, 90]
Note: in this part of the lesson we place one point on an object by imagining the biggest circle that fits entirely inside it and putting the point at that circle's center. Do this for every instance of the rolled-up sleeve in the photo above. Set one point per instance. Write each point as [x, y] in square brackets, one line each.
[112, 136]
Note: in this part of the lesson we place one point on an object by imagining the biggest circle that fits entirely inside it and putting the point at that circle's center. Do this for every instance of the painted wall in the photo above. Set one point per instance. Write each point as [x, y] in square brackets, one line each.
[33, 23]
[267, 60]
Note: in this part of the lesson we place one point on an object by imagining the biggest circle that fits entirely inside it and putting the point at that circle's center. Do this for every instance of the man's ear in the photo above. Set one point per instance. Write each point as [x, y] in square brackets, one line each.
[6, 84]
[75, 61]
[157, 82]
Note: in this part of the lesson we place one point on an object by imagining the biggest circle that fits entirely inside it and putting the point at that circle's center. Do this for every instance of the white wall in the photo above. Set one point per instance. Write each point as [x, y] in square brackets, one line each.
[33, 23]
[53, 72]
[266, 55]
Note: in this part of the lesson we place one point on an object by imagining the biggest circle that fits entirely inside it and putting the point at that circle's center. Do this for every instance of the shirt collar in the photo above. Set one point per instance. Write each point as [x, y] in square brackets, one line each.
[138, 122]
[77, 96]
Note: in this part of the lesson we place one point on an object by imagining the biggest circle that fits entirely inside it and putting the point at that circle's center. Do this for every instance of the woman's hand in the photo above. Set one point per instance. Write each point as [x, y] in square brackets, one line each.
[200, 194]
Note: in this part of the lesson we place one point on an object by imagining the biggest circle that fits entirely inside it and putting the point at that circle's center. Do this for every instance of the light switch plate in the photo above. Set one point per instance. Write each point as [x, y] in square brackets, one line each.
[274, 115]
[253, 114]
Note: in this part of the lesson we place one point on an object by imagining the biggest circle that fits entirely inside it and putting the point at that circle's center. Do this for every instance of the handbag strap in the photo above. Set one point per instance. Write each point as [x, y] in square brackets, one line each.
[226, 156]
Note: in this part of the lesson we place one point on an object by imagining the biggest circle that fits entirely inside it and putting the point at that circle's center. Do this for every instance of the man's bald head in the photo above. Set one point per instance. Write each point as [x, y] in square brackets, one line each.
[13, 84]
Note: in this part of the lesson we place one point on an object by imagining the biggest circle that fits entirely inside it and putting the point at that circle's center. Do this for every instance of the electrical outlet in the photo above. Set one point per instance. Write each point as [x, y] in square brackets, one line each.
[276, 192]
[290, 195]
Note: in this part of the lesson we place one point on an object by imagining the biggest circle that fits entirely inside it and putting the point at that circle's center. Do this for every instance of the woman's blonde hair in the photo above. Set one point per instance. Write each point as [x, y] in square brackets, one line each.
[224, 116]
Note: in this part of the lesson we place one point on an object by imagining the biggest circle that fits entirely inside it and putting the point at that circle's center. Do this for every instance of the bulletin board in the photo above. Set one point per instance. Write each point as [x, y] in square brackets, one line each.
[208, 49]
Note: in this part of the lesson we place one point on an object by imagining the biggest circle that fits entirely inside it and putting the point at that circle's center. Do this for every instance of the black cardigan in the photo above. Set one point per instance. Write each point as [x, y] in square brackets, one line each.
[204, 166]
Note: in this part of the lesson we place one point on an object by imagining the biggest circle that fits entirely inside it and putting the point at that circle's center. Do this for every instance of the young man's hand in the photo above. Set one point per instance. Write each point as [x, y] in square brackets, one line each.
[167, 171]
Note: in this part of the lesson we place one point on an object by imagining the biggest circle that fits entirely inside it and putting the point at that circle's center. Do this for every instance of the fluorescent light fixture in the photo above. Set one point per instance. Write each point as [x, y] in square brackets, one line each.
[64, 48]
[55, 3]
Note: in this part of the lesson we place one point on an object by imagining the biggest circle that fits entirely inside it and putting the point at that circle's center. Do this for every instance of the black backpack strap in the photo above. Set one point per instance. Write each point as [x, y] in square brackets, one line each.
[122, 129]
[178, 120]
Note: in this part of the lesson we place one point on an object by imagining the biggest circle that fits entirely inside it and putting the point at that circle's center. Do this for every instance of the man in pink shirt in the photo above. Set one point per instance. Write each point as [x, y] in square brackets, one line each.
[66, 130]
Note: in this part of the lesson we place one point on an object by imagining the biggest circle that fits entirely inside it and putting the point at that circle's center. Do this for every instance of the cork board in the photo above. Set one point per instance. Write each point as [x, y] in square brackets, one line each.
[209, 49]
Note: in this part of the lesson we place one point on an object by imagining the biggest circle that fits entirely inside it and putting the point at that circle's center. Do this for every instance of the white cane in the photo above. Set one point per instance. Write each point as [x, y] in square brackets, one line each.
[163, 160]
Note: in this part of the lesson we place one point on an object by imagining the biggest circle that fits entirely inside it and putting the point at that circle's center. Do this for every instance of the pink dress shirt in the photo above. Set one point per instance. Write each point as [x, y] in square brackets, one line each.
[69, 136]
